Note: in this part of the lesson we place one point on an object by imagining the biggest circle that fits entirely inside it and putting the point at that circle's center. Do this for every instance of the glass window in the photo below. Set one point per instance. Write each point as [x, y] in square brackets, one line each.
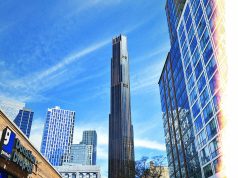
[190, 83]
[204, 40]
[195, 5]
[211, 129]
[193, 45]
[204, 97]
[211, 67]
[186, 13]
[195, 109]
[210, 7]
[188, 71]
[207, 171]
[190, 34]
[201, 26]
[193, 95]
[198, 15]
[188, 24]
[215, 147]
[186, 60]
[201, 83]
[205, 155]
[196, 56]
[207, 53]
[198, 69]
[183, 38]
[207, 112]
[202, 139]
[198, 123]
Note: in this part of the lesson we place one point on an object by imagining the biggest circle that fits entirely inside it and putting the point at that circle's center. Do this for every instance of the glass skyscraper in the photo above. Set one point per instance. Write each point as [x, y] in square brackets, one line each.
[189, 82]
[24, 121]
[90, 138]
[81, 154]
[58, 135]
[121, 139]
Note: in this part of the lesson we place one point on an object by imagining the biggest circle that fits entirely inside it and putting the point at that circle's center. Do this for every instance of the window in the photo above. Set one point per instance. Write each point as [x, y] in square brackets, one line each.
[207, 53]
[193, 95]
[215, 147]
[211, 129]
[211, 67]
[190, 83]
[189, 71]
[195, 109]
[193, 45]
[195, 57]
[207, 171]
[205, 155]
[208, 113]
[201, 83]
[198, 69]
[204, 97]
[204, 39]
[198, 14]
[201, 26]
[198, 123]
[201, 139]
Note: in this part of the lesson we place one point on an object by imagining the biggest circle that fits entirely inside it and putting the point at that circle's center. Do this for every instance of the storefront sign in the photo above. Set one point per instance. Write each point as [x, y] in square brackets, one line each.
[7, 143]
[11, 148]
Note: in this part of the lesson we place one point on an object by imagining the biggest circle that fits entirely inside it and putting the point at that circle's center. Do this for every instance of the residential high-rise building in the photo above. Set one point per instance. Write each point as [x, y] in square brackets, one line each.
[190, 88]
[90, 138]
[81, 154]
[58, 135]
[121, 139]
[10, 107]
[24, 121]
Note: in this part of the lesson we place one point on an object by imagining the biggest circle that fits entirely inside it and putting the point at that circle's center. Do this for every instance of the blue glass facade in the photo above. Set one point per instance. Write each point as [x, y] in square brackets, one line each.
[200, 55]
[24, 121]
[58, 135]
[90, 138]
[183, 158]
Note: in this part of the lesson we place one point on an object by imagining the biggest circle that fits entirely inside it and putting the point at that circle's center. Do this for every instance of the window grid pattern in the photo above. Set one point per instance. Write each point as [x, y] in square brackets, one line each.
[58, 135]
[201, 71]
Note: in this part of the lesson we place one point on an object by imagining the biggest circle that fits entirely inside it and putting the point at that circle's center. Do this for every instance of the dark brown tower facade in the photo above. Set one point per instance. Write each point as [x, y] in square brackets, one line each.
[121, 138]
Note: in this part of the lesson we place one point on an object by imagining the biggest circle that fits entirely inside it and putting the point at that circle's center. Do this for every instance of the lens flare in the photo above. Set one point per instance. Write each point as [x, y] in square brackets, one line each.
[225, 39]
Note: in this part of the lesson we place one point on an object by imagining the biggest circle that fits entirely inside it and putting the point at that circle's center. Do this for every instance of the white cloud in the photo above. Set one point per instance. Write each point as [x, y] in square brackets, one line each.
[149, 144]
[147, 77]
[36, 132]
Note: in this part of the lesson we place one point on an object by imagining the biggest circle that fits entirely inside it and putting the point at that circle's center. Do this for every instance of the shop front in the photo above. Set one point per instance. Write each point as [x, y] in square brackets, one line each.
[18, 157]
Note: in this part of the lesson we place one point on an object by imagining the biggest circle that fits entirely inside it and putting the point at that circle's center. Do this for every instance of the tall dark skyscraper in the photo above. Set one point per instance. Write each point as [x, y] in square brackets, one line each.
[24, 121]
[121, 138]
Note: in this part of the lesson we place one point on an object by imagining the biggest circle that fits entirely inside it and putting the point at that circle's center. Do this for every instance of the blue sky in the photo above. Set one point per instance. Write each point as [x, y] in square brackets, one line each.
[57, 53]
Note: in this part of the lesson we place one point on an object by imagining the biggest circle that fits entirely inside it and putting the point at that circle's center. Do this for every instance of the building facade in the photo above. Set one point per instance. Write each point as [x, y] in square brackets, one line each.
[203, 59]
[181, 150]
[10, 107]
[90, 138]
[24, 121]
[15, 149]
[121, 139]
[81, 154]
[58, 135]
[79, 171]
[189, 88]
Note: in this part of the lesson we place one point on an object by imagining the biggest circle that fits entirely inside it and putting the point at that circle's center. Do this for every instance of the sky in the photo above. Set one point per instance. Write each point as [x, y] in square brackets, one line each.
[58, 53]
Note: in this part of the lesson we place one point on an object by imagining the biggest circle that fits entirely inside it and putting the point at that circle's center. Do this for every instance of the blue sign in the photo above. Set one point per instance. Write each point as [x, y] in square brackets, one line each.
[7, 143]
